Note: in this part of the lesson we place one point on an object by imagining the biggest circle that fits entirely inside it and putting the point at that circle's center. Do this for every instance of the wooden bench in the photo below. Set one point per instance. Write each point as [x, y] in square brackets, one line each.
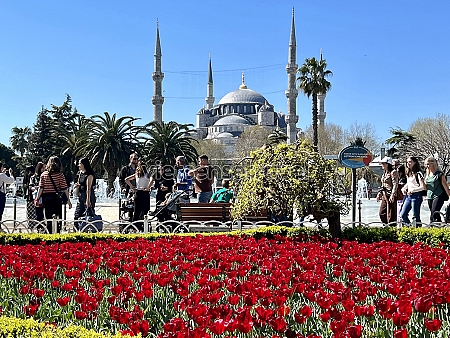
[210, 216]
[204, 212]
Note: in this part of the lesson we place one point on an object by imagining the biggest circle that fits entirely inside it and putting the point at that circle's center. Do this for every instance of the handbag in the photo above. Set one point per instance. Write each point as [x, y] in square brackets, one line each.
[90, 222]
[440, 174]
[61, 195]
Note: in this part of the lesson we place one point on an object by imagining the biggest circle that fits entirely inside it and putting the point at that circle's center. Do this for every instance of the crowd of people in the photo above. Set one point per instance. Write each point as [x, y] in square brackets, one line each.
[403, 188]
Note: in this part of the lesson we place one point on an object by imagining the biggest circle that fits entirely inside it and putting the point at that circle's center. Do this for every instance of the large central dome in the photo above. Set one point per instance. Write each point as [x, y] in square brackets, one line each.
[242, 96]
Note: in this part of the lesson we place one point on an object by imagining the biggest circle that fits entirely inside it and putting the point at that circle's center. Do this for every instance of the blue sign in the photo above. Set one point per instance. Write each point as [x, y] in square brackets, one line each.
[355, 157]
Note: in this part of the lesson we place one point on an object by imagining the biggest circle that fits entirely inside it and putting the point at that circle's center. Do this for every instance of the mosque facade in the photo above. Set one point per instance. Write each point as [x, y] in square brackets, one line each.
[242, 108]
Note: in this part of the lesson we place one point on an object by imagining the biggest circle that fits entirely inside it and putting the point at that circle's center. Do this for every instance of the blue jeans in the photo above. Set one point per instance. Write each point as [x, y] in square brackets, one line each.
[204, 197]
[413, 201]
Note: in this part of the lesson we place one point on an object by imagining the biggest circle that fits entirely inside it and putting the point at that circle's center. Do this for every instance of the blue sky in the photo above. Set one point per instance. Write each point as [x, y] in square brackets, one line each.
[389, 58]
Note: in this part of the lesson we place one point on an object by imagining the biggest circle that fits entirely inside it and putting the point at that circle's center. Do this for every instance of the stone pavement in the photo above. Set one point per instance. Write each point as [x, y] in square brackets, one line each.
[109, 210]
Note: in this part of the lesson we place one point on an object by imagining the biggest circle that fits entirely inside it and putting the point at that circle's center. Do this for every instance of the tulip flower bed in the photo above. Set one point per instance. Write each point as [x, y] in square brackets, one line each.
[231, 286]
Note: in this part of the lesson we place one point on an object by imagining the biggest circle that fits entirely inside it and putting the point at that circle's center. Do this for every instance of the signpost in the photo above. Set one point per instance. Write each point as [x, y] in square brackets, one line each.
[354, 157]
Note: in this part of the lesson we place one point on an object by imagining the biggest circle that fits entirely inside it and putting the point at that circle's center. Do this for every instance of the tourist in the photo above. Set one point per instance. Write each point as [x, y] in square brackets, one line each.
[163, 182]
[413, 189]
[388, 193]
[224, 194]
[85, 184]
[141, 191]
[126, 171]
[52, 181]
[203, 177]
[4, 180]
[401, 183]
[29, 193]
[184, 180]
[437, 188]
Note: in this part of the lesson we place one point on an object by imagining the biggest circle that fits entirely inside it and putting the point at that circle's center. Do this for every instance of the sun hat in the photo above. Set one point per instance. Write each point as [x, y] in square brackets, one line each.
[386, 159]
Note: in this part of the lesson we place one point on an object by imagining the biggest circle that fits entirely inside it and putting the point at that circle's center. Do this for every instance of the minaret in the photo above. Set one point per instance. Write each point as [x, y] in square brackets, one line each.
[321, 114]
[210, 98]
[158, 77]
[292, 92]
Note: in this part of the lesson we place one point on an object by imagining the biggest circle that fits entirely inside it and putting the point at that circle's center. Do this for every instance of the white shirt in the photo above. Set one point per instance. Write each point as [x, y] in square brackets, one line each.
[5, 179]
[142, 182]
[411, 183]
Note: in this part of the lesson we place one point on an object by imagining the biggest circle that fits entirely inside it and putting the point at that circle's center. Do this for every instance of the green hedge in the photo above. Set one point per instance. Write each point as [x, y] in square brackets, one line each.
[431, 236]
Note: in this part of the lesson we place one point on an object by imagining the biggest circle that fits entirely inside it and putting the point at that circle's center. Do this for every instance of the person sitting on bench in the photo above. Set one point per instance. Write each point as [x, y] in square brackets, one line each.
[223, 195]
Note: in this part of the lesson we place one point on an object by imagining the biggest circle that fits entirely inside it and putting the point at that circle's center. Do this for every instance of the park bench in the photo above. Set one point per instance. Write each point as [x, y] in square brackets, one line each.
[212, 217]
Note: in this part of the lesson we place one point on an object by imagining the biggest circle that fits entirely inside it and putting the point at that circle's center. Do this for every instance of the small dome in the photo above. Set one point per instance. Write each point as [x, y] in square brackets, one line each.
[231, 119]
[224, 135]
[242, 96]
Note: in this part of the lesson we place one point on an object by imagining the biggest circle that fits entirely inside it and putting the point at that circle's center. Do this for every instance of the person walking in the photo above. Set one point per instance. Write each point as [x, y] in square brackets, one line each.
[437, 188]
[4, 180]
[141, 193]
[388, 193]
[34, 187]
[413, 189]
[86, 186]
[29, 193]
[52, 181]
[203, 177]
[400, 197]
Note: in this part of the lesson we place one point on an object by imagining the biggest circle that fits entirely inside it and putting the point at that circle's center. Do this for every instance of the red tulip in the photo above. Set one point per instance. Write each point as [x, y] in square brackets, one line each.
[432, 324]
[401, 333]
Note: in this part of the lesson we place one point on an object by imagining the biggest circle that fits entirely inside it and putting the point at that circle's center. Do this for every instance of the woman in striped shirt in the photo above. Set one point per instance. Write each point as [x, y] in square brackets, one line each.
[47, 191]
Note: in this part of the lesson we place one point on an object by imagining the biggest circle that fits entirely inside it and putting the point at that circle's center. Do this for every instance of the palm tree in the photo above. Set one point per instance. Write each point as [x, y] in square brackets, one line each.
[108, 141]
[19, 139]
[312, 77]
[165, 141]
[69, 143]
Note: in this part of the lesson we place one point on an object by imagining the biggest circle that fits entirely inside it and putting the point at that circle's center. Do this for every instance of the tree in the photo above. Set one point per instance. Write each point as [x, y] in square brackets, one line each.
[19, 139]
[216, 154]
[429, 137]
[40, 141]
[367, 133]
[400, 141]
[284, 178]
[312, 77]
[108, 142]
[70, 143]
[251, 139]
[331, 138]
[276, 137]
[7, 157]
[165, 141]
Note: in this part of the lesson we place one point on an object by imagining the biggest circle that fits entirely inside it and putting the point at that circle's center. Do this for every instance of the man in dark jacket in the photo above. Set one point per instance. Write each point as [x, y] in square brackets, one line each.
[126, 171]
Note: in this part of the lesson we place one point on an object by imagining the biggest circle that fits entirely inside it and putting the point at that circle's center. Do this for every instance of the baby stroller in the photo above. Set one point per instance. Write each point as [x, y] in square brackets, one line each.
[126, 208]
[169, 211]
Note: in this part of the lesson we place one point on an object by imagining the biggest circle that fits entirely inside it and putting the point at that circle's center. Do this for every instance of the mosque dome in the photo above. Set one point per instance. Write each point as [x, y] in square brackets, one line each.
[230, 120]
[224, 135]
[243, 95]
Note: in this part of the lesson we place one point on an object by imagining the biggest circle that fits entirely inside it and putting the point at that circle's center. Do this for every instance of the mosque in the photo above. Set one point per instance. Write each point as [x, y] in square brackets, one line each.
[242, 108]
